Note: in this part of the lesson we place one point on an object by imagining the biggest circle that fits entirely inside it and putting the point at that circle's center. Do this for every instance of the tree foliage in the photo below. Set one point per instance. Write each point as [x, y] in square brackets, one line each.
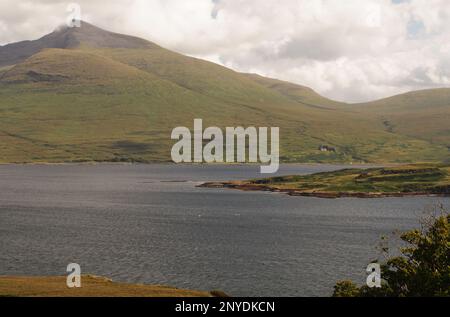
[421, 270]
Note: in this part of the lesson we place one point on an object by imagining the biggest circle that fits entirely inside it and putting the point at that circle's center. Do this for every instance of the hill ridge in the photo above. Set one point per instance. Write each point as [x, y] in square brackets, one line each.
[65, 37]
[105, 96]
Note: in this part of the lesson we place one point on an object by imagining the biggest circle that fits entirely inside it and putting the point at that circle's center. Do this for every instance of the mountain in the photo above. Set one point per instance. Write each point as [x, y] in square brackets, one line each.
[86, 94]
[67, 38]
[297, 93]
[421, 114]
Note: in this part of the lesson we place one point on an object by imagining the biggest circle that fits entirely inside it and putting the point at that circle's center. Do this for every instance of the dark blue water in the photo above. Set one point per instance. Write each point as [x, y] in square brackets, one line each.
[150, 224]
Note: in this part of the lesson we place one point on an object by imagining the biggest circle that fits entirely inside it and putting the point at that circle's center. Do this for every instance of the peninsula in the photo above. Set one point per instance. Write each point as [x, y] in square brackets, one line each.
[410, 180]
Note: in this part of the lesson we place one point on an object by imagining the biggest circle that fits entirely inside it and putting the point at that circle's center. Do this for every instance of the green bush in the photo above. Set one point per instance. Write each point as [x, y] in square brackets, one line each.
[422, 269]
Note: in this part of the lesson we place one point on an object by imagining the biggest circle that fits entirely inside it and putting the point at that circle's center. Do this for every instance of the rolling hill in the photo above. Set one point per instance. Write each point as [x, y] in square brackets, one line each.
[86, 94]
[422, 114]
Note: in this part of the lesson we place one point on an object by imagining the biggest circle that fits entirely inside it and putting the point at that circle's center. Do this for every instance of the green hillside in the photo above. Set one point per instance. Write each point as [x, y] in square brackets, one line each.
[108, 97]
[297, 93]
[420, 114]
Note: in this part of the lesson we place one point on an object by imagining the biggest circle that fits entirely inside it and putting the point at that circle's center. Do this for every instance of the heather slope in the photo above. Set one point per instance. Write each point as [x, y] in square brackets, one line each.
[91, 95]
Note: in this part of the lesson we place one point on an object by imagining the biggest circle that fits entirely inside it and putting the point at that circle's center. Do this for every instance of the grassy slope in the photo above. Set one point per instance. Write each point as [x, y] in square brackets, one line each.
[4, 69]
[421, 114]
[305, 125]
[90, 287]
[301, 94]
[426, 179]
[121, 104]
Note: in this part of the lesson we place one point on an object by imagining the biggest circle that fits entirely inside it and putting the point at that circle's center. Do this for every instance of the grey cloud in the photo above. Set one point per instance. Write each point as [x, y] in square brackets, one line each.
[330, 46]
[314, 48]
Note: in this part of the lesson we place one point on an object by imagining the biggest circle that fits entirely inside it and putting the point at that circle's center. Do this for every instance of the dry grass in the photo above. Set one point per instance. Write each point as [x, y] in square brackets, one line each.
[91, 286]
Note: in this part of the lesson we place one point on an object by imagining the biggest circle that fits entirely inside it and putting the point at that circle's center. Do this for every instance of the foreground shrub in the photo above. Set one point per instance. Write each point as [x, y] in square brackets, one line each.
[422, 269]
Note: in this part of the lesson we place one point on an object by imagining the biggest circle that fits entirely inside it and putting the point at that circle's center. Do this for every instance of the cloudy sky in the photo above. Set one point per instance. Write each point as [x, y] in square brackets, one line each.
[349, 50]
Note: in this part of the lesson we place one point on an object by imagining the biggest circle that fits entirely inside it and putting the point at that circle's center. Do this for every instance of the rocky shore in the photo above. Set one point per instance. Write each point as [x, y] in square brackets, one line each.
[318, 194]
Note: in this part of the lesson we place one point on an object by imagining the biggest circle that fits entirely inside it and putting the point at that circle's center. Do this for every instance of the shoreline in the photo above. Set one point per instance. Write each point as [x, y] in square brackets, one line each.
[91, 286]
[316, 194]
[93, 163]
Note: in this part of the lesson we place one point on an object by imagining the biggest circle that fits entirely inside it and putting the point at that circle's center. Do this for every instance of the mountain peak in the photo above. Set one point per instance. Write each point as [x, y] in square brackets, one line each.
[93, 36]
[65, 37]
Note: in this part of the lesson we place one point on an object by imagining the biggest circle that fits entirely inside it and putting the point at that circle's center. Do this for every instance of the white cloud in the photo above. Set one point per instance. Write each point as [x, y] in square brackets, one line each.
[350, 50]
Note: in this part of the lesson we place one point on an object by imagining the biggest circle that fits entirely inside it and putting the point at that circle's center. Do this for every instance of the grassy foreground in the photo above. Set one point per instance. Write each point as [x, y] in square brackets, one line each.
[408, 180]
[91, 286]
